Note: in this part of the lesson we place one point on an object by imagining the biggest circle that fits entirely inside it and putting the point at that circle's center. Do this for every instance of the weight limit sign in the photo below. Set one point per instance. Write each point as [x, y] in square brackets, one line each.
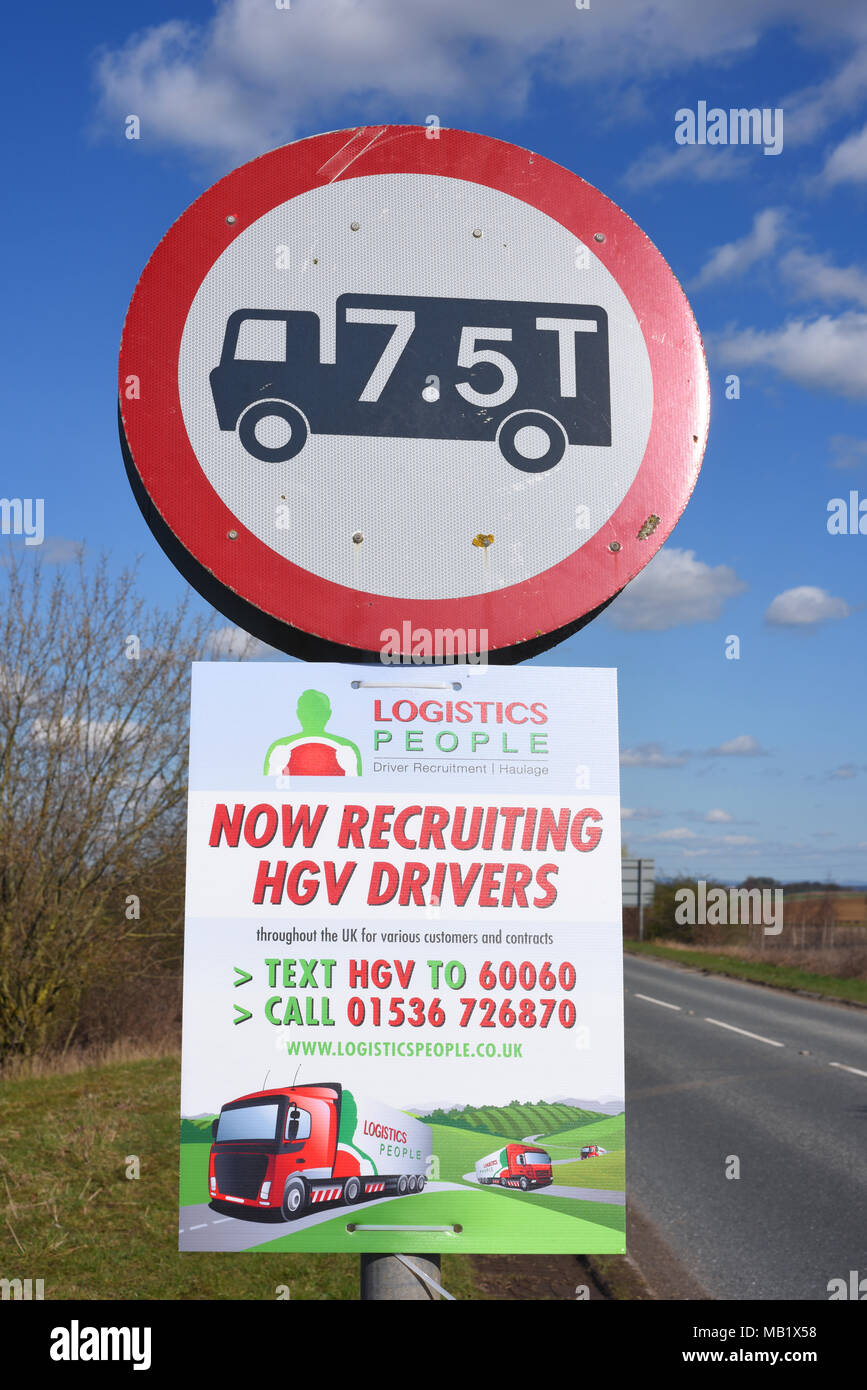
[376, 383]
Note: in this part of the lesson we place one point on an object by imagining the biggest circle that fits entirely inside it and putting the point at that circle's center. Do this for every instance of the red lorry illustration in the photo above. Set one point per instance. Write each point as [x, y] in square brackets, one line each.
[517, 1165]
[279, 1152]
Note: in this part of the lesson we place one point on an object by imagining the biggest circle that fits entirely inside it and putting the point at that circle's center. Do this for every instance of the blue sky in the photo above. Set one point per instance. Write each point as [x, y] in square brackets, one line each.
[730, 767]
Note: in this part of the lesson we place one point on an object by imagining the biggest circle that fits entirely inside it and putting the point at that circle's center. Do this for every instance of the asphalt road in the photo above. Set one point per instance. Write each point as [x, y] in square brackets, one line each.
[699, 1092]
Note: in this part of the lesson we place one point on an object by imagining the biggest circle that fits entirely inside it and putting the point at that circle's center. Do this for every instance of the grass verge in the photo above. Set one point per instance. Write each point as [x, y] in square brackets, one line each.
[850, 991]
[72, 1217]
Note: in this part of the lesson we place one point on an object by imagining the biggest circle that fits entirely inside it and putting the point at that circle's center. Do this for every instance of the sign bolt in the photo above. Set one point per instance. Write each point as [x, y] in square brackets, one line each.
[477, 232]
[231, 219]
[355, 226]
[357, 538]
[614, 545]
[233, 535]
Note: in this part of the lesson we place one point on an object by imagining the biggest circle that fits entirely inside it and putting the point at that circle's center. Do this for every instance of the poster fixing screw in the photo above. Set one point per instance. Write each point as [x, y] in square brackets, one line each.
[231, 219]
[614, 546]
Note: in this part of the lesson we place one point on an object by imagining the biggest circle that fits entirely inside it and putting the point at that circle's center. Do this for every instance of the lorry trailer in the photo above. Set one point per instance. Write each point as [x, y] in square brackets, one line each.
[285, 1151]
[517, 1165]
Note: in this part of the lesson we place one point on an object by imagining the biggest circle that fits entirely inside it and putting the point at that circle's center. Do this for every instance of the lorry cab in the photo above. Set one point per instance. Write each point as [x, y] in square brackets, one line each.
[276, 1153]
[534, 1167]
[263, 1139]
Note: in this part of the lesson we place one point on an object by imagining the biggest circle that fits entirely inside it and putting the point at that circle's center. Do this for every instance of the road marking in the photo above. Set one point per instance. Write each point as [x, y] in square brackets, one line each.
[758, 1037]
[843, 1067]
[220, 1219]
[199, 1228]
[650, 999]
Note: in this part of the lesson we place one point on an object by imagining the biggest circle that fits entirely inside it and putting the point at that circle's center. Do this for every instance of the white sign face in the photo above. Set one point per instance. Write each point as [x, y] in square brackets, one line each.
[376, 382]
[411, 894]
[460, 345]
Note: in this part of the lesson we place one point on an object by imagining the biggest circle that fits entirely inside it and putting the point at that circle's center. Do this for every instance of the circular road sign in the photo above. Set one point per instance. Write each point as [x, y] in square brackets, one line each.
[396, 380]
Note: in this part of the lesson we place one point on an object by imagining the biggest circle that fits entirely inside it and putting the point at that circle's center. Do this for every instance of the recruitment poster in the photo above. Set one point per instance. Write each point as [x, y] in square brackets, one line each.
[403, 984]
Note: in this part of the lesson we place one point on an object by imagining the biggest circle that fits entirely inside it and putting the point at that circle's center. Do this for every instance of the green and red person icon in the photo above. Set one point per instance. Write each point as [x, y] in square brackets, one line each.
[312, 752]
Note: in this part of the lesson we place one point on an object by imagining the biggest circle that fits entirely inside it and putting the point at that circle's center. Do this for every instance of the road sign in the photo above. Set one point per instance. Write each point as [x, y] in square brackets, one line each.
[635, 873]
[376, 382]
[402, 961]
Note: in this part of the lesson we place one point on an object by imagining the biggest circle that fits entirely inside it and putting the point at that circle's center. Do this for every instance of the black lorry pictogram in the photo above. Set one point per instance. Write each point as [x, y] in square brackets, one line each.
[421, 367]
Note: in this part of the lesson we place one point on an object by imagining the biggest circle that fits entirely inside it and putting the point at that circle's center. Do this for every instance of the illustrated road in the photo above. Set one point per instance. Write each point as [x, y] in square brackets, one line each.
[716, 1071]
[200, 1228]
[584, 1194]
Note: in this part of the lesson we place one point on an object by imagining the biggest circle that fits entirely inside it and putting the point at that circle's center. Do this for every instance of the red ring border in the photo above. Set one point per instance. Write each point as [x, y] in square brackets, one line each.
[193, 512]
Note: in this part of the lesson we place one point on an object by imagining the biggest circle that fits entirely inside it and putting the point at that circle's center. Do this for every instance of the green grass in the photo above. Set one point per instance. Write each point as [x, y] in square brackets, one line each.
[72, 1218]
[535, 1223]
[610, 1133]
[782, 976]
[515, 1120]
[608, 1171]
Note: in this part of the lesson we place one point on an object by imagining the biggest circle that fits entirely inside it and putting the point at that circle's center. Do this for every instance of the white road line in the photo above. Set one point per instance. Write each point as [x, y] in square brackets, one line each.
[843, 1067]
[199, 1228]
[758, 1037]
[220, 1219]
[650, 999]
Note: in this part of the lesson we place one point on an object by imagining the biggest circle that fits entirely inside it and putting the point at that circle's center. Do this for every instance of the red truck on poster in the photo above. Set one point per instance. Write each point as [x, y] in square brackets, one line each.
[517, 1165]
[284, 1151]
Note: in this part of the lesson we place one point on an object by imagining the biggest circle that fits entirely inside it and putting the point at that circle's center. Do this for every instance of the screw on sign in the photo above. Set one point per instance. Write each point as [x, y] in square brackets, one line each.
[361, 353]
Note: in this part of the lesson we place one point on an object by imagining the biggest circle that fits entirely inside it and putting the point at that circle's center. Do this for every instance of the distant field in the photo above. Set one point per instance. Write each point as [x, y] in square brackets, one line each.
[515, 1121]
[609, 1171]
[610, 1133]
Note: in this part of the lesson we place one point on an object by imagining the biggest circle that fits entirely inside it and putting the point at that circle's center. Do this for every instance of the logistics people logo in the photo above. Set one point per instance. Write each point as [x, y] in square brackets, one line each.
[312, 752]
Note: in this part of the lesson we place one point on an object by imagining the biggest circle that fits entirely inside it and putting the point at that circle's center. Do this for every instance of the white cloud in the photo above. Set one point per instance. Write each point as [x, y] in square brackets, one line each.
[805, 606]
[812, 276]
[743, 746]
[718, 817]
[848, 452]
[705, 163]
[651, 755]
[253, 76]
[681, 832]
[673, 589]
[848, 162]
[640, 813]
[825, 353]
[810, 110]
[739, 840]
[736, 257]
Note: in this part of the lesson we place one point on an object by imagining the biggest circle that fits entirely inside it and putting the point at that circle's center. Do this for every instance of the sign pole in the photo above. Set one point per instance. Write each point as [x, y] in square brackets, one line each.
[386, 1278]
[640, 906]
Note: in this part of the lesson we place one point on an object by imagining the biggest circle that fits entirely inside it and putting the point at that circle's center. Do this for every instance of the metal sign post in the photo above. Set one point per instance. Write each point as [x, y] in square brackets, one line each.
[637, 877]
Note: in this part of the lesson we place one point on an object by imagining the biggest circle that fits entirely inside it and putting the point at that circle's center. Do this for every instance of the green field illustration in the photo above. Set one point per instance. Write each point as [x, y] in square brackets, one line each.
[581, 1210]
